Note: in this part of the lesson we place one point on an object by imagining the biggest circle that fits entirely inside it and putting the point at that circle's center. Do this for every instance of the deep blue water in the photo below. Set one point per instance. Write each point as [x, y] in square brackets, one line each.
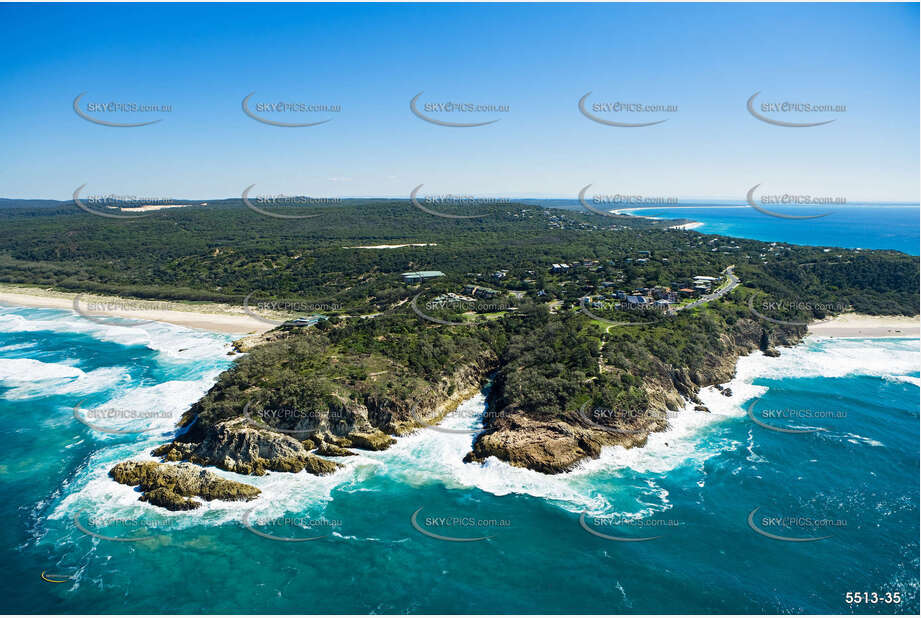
[852, 226]
[865, 226]
[693, 487]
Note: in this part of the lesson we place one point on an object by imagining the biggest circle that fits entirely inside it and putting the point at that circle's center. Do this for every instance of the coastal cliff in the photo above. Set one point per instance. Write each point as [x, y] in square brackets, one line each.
[562, 390]
[551, 445]
[298, 399]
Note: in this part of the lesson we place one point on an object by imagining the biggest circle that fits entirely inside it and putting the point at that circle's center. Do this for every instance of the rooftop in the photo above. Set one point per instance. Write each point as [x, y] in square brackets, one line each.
[424, 273]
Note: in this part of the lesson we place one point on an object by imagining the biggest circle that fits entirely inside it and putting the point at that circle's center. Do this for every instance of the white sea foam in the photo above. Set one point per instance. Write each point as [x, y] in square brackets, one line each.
[174, 341]
[91, 489]
[153, 410]
[907, 379]
[430, 456]
[29, 378]
[187, 352]
[835, 358]
[607, 486]
[29, 370]
[17, 346]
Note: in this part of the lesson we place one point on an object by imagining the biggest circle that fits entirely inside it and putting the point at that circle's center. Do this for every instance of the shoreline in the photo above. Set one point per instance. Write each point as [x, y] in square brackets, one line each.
[686, 226]
[628, 212]
[214, 317]
[863, 326]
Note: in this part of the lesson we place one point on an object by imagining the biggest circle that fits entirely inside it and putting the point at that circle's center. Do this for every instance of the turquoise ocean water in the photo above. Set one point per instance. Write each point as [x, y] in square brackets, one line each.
[853, 225]
[851, 476]
[865, 226]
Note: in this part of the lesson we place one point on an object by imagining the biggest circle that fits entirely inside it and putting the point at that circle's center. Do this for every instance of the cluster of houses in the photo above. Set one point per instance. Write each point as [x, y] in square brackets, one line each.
[480, 292]
[470, 295]
[643, 258]
[450, 298]
[563, 267]
[723, 248]
[658, 297]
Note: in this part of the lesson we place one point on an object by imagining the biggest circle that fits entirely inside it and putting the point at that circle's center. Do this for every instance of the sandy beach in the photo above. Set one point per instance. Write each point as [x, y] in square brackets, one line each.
[860, 325]
[215, 317]
[629, 212]
[686, 226]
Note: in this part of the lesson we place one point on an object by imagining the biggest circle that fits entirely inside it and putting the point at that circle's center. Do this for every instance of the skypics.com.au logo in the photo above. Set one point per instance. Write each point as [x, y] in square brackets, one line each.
[118, 311]
[795, 528]
[297, 206]
[429, 111]
[798, 200]
[121, 421]
[462, 416]
[104, 113]
[286, 529]
[450, 303]
[770, 112]
[136, 529]
[794, 418]
[771, 310]
[639, 313]
[302, 312]
[271, 112]
[292, 419]
[112, 206]
[623, 422]
[638, 525]
[448, 527]
[435, 204]
[604, 204]
[616, 113]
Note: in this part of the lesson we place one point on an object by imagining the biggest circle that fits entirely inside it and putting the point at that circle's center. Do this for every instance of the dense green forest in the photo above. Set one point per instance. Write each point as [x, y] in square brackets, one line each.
[225, 251]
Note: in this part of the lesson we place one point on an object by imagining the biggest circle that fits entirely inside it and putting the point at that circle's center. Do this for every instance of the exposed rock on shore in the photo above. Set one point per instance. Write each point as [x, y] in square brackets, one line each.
[371, 441]
[245, 427]
[331, 450]
[236, 446]
[172, 486]
[248, 343]
[557, 445]
[547, 447]
[250, 425]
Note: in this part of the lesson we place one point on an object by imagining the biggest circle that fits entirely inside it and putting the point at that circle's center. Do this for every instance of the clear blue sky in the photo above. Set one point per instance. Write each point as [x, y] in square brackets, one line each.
[537, 59]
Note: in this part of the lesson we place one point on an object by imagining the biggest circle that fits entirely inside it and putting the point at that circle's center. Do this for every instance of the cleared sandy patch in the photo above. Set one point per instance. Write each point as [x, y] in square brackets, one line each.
[413, 244]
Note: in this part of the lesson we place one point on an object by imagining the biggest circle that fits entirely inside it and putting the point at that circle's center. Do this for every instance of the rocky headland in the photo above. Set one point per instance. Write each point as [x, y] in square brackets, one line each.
[296, 404]
[173, 486]
[553, 445]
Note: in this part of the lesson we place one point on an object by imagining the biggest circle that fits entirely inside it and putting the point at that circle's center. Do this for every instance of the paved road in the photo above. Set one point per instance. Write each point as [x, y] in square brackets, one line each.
[733, 284]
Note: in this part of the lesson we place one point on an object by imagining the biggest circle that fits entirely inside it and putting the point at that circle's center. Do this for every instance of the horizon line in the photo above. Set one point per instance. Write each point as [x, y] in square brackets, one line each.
[633, 206]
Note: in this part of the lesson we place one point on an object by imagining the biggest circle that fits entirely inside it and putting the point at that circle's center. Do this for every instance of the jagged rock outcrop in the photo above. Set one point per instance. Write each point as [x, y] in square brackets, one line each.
[331, 450]
[238, 446]
[371, 441]
[556, 446]
[172, 486]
